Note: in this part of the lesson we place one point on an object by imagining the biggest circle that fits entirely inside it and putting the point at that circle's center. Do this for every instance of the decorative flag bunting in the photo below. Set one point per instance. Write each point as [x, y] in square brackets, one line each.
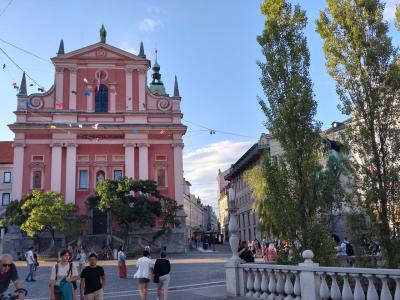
[14, 84]
[31, 84]
[190, 138]
[85, 80]
[59, 105]
[95, 126]
[27, 103]
[41, 89]
[86, 93]
[162, 131]
[16, 87]
[4, 66]
[74, 92]
[212, 132]
[70, 125]
[53, 126]
[80, 125]
[133, 130]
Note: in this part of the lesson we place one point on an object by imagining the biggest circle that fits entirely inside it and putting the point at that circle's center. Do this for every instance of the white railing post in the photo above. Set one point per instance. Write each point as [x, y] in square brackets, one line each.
[233, 285]
[309, 283]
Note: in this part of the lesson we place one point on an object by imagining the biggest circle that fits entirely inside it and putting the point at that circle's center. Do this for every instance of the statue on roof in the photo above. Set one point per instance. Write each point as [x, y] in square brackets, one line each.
[103, 34]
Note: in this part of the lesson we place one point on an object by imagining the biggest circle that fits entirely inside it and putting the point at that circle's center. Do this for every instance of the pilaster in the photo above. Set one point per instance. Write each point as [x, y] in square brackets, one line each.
[72, 87]
[70, 181]
[178, 172]
[56, 158]
[142, 89]
[128, 87]
[59, 84]
[18, 170]
[129, 159]
[89, 99]
[144, 161]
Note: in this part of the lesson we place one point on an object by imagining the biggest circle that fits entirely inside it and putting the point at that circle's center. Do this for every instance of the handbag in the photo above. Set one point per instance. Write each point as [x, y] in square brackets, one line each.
[156, 278]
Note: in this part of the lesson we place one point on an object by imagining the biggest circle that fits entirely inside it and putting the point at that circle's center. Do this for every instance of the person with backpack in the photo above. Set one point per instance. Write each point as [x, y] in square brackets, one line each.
[63, 278]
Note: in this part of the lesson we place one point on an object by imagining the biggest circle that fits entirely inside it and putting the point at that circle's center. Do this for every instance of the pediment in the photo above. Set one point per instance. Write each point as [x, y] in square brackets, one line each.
[100, 51]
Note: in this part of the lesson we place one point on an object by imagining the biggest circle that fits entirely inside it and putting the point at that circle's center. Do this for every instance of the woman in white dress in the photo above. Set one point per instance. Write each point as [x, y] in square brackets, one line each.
[144, 274]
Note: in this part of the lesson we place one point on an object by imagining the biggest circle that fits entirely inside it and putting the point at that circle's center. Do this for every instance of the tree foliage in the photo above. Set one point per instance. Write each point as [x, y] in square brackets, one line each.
[295, 206]
[135, 203]
[361, 58]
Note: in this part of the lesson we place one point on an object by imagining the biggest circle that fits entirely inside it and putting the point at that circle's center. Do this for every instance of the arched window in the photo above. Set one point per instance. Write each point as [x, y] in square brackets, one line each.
[102, 99]
[100, 176]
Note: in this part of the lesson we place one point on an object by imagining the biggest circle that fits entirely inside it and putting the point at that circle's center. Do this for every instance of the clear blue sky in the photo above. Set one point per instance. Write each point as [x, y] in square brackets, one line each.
[210, 45]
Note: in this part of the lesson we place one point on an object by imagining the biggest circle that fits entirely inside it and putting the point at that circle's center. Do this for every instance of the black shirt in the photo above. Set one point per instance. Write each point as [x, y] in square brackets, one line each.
[246, 255]
[5, 278]
[92, 278]
[162, 267]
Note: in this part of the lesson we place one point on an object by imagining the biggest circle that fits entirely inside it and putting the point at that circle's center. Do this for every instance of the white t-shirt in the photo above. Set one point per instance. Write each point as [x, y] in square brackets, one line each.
[144, 265]
[82, 258]
[29, 257]
[62, 272]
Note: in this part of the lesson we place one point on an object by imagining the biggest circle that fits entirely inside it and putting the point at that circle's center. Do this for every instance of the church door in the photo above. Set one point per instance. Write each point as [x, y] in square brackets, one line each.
[102, 99]
[100, 221]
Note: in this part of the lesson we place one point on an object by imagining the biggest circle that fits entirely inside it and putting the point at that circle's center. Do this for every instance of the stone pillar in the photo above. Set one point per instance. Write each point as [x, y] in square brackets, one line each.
[59, 85]
[130, 160]
[70, 180]
[113, 94]
[178, 172]
[56, 158]
[18, 169]
[144, 161]
[142, 89]
[72, 87]
[128, 87]
[89, 99]
[309, 283]
[233, 275]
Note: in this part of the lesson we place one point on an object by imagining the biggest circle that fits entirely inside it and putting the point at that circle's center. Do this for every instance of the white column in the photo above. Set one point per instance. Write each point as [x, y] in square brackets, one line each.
[59, 84]
[89, 99]
[128, 91]
[143, 161]
[142, 89]
[178, 172]
[18, 169]
[112, 99]
[72, 87]
[70, 181]
[56, 157]
[130, 160]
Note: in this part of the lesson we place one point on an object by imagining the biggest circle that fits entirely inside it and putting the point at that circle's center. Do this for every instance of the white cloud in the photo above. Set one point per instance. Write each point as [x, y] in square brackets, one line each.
[149, 25]
[390, 9]
[201, 167]
[128, 47]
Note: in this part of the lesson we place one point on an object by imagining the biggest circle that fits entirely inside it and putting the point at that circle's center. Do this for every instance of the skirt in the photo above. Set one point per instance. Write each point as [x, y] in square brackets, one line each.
[122, 269]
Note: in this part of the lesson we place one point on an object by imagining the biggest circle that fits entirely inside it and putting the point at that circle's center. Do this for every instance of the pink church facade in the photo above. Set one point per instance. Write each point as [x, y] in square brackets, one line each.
[99, 120]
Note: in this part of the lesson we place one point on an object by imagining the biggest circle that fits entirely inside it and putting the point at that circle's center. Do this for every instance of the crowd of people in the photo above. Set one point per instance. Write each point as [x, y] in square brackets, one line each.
[77, 274]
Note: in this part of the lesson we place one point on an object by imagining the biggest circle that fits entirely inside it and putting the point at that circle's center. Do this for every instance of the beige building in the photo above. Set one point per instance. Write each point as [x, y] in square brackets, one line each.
[248, 219]
[223, 215]
[6, 168]
[194, 212]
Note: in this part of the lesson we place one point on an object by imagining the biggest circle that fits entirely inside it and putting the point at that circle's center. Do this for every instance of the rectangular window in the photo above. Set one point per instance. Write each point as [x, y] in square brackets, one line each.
[7, 177]
[37, 158]
[37, 180]
[82, 158]
[100, 158]
[118, 157]
[161, 157]
[83, 179]
[161, 177]
[117, 174]
[5, 199]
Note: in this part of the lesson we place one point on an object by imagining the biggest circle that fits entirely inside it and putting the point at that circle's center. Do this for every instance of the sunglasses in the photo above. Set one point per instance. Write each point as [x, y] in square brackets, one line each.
[7, 265]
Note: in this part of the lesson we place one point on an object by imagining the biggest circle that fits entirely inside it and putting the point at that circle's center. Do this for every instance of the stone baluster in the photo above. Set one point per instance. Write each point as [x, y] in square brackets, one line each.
[264, 284]
[358, 290]
[385, 292]
[233, 225]
[297, 290]
[249, 284]
[372, 294]
[397, 292]
[271, 285]
[257, 284]
[335, 290]
[347, 294]
[280, 286]
[288, 286]
[323, 289]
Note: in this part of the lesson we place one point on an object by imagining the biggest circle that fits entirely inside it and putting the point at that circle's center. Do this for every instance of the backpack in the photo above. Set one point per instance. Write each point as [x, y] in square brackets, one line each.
[349, 249]
[69, 273]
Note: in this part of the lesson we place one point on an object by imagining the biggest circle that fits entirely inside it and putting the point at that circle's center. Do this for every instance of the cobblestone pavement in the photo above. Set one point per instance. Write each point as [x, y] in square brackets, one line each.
[194, 276]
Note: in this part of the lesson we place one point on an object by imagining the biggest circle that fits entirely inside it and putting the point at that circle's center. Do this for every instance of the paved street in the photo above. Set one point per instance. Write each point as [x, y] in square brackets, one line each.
[194, 276]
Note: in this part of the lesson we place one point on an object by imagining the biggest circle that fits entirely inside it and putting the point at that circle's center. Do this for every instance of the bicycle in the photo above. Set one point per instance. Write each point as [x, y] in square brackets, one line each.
[13, 296]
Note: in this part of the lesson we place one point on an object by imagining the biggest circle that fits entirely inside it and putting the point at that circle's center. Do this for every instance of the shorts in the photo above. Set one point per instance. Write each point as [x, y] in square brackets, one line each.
[144, 280]
[164, 281]
[97, 295]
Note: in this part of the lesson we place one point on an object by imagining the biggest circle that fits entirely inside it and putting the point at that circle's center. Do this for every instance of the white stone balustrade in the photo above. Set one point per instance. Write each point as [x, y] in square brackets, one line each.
[281, 282]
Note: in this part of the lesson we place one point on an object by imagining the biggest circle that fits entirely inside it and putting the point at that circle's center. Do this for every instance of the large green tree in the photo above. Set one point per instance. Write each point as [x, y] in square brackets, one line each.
[44, 211]
[294, 202]
[135, 203]
[361, 58]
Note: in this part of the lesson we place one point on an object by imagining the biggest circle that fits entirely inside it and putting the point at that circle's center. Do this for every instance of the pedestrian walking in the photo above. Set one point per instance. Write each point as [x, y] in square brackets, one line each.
[82, 259]
[121, 262]
[30, 260]
[145, 266]
[63, 278]
[93, 280]
[36, 262]
[162, 268]
[8, 273]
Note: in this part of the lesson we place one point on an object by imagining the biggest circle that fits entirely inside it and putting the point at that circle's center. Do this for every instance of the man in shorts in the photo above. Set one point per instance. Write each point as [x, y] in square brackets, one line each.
[8, 273]
[93, 280]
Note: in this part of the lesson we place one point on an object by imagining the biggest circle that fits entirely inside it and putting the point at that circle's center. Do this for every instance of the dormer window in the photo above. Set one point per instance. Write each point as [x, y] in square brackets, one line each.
[102, 99]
